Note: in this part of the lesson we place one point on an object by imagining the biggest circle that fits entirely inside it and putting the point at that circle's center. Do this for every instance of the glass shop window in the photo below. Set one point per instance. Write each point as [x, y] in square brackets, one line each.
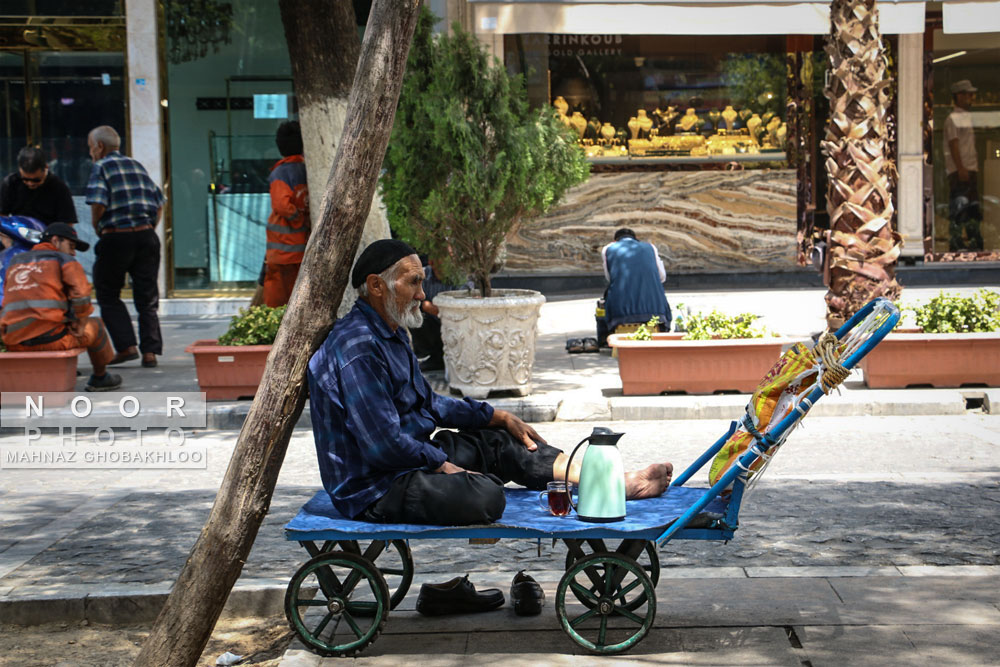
[660, 97]
[966, 143]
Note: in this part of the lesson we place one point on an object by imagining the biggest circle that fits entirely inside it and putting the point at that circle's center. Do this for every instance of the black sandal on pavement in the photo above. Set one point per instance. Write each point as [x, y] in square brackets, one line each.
[574, 345]
[590, 345]
[528, 596]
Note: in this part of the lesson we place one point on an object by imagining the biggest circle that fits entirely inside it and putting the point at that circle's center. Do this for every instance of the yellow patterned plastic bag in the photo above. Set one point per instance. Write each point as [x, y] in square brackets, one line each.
[788, 381]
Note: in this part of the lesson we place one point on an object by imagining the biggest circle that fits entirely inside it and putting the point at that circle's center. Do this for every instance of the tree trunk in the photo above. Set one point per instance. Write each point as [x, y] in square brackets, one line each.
[863, 245]
[185, 624]
[323, 45]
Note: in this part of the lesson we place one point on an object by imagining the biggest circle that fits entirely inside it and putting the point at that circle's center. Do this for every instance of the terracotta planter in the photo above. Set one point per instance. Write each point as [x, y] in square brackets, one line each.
[667, 363]
[489, 344]
[938, 360]
[227, 372]
[38, 371]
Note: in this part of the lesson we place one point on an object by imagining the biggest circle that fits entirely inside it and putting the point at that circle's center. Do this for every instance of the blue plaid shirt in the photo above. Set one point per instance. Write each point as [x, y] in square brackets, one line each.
[122, 185]
[373, 412]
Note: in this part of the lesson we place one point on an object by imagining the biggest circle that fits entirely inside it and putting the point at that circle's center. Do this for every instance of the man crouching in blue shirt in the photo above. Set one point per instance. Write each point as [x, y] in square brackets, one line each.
[374, 417]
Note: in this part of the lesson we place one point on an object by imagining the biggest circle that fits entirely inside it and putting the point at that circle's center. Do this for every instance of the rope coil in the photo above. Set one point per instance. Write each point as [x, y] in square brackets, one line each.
[834, 372]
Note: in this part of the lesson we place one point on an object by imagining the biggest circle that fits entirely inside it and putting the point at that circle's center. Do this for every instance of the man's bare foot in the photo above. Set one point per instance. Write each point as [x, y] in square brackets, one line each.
[649, 482]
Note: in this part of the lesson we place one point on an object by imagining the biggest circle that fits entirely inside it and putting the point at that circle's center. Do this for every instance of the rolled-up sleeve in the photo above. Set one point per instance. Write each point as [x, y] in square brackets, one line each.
[369, 410]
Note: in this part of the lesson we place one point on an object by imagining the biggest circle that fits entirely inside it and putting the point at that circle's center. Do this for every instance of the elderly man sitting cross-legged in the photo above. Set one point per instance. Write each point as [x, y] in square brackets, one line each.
[374, 417]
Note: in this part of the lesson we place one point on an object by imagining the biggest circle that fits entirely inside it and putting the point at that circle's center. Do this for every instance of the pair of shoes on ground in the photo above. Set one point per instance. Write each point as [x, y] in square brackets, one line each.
[578, 345]
[106, 382]
[459, 596]
[131, 354]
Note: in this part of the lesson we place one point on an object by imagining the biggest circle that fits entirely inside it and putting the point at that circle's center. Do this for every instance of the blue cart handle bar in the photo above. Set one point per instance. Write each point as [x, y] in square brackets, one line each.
[876, 309]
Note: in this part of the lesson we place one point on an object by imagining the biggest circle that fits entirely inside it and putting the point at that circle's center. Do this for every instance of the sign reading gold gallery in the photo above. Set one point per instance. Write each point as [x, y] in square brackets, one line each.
[579, 45]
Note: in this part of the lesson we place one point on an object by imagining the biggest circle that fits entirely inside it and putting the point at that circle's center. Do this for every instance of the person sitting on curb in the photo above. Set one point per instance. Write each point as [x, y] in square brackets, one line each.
[373, 414]
[46, 305]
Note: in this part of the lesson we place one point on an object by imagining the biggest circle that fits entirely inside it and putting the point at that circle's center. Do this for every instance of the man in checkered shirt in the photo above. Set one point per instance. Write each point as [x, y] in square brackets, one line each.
[125, 207]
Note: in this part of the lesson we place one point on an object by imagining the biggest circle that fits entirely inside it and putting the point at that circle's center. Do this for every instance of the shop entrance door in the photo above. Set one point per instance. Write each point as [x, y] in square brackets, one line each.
[52, 99]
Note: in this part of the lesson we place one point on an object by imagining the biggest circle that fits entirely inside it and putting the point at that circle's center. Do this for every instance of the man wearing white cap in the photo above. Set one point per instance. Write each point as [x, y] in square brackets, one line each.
[962, 165]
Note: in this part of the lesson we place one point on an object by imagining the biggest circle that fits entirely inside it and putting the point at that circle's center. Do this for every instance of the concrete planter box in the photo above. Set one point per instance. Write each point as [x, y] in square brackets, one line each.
[938, 360]
[228, 372]
[489, 344]
[38, 371]
[667, 363]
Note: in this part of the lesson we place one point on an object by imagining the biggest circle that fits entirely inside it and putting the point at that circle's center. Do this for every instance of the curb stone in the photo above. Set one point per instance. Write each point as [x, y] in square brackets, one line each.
[124, 604]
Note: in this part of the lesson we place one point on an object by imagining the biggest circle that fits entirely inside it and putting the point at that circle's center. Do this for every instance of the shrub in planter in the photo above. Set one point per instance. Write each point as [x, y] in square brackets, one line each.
[720, 325]
[232, 366]
[951, 313]
[713, 356]
[467, 161]
[959, 345]
[257, 325]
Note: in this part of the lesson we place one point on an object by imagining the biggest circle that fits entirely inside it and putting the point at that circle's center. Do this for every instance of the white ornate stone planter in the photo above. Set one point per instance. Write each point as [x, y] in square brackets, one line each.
[489, 344]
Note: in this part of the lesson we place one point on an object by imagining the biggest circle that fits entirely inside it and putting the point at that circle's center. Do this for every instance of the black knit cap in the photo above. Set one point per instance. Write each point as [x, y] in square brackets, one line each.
[378, 257]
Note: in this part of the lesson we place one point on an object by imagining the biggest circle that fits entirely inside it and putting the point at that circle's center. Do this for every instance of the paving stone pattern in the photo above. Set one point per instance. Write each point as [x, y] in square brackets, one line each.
[797, 524]
[886, 494]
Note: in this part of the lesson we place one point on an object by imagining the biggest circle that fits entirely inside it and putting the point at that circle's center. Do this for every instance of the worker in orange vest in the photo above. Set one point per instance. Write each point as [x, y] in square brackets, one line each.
[46, 305]
[288, 225]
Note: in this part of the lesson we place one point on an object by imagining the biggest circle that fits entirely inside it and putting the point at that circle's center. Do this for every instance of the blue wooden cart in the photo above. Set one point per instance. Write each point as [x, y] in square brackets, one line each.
[340, 599]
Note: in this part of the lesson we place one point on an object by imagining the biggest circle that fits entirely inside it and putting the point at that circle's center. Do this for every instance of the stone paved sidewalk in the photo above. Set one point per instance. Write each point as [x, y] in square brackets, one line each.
[868, 492]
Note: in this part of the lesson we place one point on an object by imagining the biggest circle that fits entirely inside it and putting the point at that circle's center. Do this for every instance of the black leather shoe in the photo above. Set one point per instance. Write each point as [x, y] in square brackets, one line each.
[457, 596]
[528, 596]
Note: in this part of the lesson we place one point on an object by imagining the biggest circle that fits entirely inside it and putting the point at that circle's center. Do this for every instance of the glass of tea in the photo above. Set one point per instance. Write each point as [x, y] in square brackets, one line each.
[558, 498]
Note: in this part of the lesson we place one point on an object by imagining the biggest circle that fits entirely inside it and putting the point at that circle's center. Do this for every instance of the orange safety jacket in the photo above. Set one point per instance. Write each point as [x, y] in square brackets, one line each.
[43, 291]
[288, 224]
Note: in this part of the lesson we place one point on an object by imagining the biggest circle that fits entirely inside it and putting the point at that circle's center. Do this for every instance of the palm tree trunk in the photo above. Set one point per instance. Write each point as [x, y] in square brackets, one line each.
[863, 244]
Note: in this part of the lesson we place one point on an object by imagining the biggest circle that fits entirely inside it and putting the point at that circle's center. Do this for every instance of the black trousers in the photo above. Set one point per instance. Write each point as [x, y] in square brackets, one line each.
[965, 213]
[427, 339]
[138, 255]
[462, 499]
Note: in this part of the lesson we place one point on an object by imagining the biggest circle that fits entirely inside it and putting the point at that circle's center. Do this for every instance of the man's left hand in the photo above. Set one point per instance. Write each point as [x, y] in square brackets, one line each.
[517, 428]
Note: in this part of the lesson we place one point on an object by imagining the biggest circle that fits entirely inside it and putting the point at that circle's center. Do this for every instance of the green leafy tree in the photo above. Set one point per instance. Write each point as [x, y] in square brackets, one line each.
[468, 160]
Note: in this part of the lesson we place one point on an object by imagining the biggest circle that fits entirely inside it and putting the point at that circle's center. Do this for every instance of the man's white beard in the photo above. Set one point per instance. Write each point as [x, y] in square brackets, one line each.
[411, 319]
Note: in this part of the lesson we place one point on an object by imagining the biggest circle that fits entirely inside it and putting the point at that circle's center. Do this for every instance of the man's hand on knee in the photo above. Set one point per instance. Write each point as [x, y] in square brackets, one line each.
[451, 469]
[517, 428]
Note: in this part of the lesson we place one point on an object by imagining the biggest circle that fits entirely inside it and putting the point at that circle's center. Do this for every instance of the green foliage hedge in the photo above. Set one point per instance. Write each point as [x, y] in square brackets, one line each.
[720, 325]
[253, 326]
[951, 313]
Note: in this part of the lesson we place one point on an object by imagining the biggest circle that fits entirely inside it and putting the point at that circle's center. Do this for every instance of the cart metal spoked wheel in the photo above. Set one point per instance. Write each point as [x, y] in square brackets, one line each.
[393, 559]
[337, 603]
[611, 582]
[647, 558]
